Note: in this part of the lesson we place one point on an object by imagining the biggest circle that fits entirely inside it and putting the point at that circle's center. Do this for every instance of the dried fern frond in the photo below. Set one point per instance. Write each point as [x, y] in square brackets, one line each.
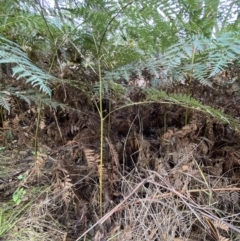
[92, 158]
[114, 153]
[221, 225]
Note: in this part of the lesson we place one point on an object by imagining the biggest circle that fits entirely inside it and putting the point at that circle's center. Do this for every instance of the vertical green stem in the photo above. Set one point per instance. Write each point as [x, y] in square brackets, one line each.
[190, 85]
[186, 117]
[101, 138]
[2, 120]
[37, 128]
[100, 111]
[165, 121]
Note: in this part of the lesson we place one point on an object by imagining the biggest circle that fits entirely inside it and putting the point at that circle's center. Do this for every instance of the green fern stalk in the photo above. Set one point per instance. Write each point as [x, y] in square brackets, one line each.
[101, 139]
[37, 130]
[100, 111]
[190, 83]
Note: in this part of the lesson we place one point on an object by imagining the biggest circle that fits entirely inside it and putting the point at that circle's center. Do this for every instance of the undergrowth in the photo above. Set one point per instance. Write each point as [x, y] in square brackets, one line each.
[135, 122]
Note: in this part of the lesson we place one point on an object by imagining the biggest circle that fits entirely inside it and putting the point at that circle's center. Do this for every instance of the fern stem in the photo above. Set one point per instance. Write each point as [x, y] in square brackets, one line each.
[101, 140]
[37, 129]
[186, 117]
[109, 23]
[2, 120]
[165, 121]
[190, 84]
[100, 111]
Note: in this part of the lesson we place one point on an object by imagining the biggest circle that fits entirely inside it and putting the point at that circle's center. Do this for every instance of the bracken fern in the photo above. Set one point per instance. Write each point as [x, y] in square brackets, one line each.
[10, 53]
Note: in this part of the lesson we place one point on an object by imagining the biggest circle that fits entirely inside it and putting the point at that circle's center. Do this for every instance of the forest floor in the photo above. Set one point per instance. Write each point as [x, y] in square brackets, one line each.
[167, 175]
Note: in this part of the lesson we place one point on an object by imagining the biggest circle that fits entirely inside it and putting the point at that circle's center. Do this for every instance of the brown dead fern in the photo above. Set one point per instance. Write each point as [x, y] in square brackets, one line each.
[92, 158]
[114, 154]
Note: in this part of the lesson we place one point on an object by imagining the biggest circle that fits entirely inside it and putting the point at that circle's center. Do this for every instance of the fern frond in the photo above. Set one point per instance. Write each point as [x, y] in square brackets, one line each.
[23, 68]
[188, 102]
[211, 56]
[23, 95]
[4, 100]
[32, 96]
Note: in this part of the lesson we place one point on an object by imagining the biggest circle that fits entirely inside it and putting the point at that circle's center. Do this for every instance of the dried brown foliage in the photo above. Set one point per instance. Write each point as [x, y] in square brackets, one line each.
[163, 180]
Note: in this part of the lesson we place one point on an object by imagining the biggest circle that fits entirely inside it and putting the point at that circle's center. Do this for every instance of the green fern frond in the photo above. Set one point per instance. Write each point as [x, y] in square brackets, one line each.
[186, 101]
[31, 96]
[23, 95]
[10, 53]
[4, 100]
[211, 57]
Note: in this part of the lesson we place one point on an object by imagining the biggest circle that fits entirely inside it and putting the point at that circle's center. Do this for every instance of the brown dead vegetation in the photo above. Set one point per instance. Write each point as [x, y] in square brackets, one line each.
[163, 180]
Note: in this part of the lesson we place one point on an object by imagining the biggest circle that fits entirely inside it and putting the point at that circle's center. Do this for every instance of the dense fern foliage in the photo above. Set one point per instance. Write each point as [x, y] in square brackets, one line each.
[172, 40]
[210, 56]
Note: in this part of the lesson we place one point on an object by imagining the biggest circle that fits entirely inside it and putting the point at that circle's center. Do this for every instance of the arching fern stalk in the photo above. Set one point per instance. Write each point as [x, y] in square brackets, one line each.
[199, 57]
[158, 96]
